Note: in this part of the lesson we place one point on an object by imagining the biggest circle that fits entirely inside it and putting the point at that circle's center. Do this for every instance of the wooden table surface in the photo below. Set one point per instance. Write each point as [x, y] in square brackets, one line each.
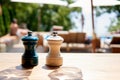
[93, 67]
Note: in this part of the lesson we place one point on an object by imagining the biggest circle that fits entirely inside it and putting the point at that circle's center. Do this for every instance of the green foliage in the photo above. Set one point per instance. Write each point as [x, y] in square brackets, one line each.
[2, 28]
[114, 27]
[37, 18]
[110, 9]
[32, 21]
[56, 15]
[6, 18]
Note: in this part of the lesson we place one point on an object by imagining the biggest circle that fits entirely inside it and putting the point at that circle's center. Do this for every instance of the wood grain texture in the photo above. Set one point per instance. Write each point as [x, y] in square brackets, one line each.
[93, 66]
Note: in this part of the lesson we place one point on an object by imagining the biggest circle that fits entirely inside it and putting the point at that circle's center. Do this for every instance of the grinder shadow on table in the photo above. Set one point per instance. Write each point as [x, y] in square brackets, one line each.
[15, 73]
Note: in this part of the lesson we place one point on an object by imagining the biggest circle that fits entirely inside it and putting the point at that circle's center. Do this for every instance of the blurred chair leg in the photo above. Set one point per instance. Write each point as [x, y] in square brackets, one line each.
[95, 44]
[68, 48]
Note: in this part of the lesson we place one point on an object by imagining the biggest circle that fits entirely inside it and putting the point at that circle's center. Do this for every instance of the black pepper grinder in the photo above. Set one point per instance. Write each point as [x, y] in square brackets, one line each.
[30, 57]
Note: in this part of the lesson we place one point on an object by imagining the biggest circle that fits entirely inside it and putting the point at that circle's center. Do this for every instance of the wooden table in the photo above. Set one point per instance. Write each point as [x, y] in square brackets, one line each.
[93, 66]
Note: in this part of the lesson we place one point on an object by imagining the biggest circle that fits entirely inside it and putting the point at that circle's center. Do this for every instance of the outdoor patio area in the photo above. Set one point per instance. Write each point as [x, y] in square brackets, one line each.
[66, 46]
[59, 39]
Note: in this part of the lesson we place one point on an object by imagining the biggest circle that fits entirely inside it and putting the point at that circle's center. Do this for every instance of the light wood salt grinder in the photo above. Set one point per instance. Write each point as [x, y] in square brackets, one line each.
[54, 58]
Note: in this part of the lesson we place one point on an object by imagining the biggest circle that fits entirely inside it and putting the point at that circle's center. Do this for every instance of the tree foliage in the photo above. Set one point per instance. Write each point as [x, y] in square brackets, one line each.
[115, 27]
[110, 9]
[37, 18]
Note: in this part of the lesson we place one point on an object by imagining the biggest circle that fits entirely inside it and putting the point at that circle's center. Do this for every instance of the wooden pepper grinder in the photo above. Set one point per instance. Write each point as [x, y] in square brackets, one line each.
[53, 58]
[30, 57]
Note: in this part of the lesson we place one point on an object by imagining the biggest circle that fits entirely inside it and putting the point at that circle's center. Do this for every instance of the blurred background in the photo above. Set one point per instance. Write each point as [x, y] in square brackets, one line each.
[41, 17]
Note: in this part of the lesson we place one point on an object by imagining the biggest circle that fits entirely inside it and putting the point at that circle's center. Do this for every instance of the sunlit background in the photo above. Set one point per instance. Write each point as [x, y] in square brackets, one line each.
[45, 15]
[97, 19]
